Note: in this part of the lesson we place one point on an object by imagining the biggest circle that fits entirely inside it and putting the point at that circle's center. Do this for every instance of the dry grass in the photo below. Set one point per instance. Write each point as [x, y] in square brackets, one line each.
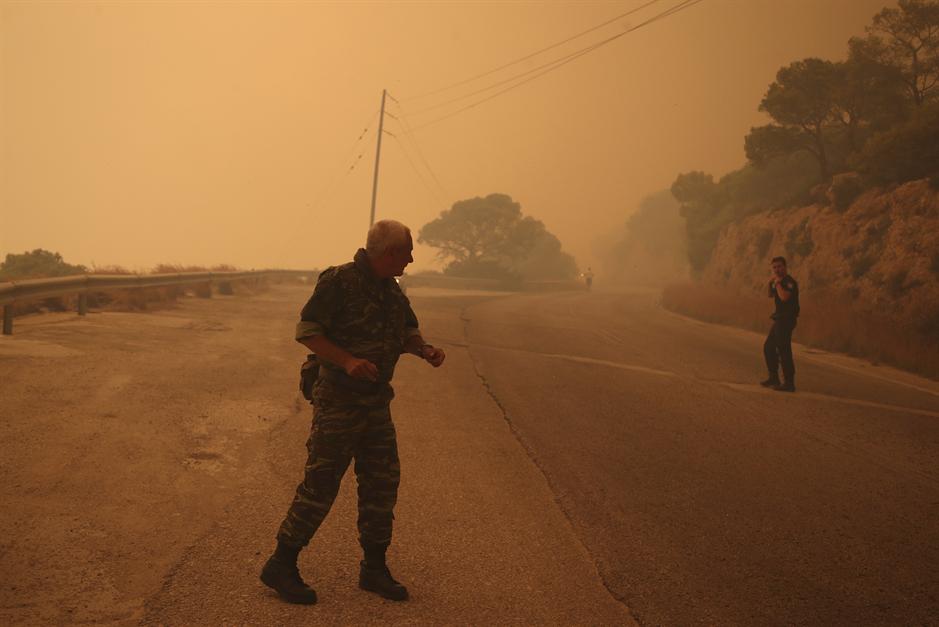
[173, 268]
[110, 270]
[826, 322]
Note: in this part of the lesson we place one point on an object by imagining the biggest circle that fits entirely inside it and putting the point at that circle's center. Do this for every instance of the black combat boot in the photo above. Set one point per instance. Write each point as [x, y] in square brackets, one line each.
[786, 386]
[374, 575]
[771, 382]
[281, 573]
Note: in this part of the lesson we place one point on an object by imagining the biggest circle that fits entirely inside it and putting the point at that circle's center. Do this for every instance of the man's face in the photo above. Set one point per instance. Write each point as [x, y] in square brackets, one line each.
[779, 269]
[399, 258]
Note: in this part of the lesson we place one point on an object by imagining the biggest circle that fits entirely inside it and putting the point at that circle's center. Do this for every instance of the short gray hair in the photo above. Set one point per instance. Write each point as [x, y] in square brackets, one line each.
[386, 234]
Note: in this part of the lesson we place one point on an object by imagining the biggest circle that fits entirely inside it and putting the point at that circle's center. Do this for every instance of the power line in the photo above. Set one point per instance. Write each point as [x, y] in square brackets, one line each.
[405, 125]
[562, 61]
[361, 137]
[536, 53]
[533, 70]
[420, 176]
[685, 4]
[348, 167]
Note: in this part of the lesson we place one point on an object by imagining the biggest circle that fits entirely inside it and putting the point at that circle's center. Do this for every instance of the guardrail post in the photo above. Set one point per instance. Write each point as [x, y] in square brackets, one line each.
[82, 304]
[8, 319]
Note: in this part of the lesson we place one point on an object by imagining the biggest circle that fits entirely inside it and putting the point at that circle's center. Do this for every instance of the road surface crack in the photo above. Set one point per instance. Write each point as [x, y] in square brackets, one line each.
[530, 453]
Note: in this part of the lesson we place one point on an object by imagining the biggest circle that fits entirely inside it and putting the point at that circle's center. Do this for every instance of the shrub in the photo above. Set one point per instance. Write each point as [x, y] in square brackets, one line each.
[763, 241]
[173, 268]
[844, 190]
[861, 265]
[905, 152]
[707, 206]
[877, 231]
[799, 240]
[928, 324]
[37, 264]
[896, 282]
[828, 321]
[479, 269]
[110, 270]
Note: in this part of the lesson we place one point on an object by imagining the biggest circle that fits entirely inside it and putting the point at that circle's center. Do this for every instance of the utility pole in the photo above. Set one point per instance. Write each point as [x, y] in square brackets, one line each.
[381, 124]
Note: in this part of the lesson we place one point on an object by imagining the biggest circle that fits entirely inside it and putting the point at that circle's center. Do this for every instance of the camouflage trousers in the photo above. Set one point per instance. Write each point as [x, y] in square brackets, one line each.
[340, 433]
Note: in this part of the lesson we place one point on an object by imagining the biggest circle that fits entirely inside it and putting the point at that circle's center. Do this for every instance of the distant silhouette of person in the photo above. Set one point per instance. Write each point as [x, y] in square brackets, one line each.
[778, 346]
[588, 278]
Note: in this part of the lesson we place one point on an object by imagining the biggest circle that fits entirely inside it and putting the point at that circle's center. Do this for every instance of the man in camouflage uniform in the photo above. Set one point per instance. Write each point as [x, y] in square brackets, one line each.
[358, 322]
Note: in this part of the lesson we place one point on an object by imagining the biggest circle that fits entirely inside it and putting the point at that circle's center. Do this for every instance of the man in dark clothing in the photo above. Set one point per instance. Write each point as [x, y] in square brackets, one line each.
[778, 346]
[358, 322]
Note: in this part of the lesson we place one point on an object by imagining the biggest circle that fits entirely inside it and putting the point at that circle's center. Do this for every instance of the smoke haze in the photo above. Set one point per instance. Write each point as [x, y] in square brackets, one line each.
[206, 133]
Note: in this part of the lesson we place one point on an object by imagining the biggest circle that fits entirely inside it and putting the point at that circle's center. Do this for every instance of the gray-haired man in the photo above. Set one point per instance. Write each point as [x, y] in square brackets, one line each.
[358, 322]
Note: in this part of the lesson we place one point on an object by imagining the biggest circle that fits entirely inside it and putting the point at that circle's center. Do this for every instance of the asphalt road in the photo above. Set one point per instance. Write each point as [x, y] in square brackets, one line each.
[580, 459]
[703, 497]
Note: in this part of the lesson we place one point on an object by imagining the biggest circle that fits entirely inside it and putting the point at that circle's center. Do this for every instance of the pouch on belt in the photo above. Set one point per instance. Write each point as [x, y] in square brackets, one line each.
[309, 373]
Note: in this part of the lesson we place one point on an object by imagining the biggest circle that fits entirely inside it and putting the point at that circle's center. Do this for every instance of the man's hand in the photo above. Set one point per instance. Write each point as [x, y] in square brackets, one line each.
[433, 355]
[361, 369]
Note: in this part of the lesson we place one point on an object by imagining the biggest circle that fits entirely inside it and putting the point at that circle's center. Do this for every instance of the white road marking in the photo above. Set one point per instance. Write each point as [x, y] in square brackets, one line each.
[742, 387]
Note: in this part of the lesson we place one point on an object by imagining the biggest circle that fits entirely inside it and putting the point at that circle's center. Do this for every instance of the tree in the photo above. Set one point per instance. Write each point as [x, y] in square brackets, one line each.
[802, 103]
[693, 187]
[36, 264]
[545, 260]
[866, 96]
[489, 237]
[651, 248]
[905, 152]
[472, 229]
[697, 192]
[708, 206]
[906, 39]
[764, 143]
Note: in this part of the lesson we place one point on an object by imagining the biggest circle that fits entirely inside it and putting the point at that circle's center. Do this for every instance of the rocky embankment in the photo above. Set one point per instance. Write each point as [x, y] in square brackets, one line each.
[879, 252]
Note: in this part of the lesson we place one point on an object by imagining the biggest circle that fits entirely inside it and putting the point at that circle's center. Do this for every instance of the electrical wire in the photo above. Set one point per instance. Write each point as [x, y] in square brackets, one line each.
[534, 54]
[348, 167]
[685, 4]
[420, 176]
[405, 125]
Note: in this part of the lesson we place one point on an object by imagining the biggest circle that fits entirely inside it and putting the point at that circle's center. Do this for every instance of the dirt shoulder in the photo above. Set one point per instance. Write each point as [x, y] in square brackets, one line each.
[122, 435]
[150, 457]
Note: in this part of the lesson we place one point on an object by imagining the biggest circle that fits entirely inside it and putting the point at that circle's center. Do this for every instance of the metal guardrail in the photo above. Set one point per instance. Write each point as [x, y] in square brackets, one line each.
[12, 292]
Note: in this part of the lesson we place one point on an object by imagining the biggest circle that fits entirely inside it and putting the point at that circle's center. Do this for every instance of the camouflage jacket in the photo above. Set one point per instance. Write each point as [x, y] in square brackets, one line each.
[368, 317]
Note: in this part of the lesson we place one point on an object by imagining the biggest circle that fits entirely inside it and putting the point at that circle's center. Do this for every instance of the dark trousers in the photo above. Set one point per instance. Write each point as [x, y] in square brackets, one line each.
[341, 434]
[778, 349]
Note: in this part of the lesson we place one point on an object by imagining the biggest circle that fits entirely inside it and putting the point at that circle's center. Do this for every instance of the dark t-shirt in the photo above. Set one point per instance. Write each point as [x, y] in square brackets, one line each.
[786, 309]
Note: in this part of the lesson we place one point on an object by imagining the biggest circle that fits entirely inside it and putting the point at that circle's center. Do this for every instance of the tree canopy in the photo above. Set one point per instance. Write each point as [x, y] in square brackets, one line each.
[905, 39]
[875, 113]
[650, 250]
[489, 237]
[801, 102]
[831, 109]
[36, 264]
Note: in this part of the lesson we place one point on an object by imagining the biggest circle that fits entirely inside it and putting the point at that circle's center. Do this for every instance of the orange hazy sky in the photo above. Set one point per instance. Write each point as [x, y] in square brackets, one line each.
[136, 133]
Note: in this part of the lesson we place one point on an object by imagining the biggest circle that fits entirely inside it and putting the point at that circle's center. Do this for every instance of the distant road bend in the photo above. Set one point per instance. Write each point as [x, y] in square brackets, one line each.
[582, 458]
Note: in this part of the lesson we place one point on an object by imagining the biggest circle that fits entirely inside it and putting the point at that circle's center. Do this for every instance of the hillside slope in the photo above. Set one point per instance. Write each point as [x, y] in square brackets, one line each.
[880, 255]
